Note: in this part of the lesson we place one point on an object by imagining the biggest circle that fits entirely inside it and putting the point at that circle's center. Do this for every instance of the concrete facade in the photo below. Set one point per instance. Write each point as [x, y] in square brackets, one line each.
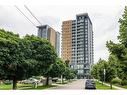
[47, 32]
[66, 40]
[58, 43]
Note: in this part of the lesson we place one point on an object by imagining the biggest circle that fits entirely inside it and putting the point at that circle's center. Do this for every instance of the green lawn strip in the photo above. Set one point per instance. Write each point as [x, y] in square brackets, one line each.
[23, 87]
[5, 87]
[102, 87]
[38, 88]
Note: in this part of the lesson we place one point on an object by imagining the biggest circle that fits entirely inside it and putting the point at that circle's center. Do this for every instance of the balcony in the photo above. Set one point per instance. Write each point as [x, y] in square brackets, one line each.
[80, 43]
[80, 40]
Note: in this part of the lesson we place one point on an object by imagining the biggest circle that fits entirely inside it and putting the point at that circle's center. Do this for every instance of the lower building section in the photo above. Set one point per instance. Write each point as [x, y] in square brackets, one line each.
[82, 71]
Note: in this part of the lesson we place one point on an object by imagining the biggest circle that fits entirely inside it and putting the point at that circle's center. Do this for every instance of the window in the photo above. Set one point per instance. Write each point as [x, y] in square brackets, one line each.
[80, 71]
[86, 26]
[86, 49]
[86, 21]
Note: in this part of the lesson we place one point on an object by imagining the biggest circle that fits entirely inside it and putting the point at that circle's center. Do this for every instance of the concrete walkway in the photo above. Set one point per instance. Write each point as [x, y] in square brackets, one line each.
[119, 88]
[78, 84]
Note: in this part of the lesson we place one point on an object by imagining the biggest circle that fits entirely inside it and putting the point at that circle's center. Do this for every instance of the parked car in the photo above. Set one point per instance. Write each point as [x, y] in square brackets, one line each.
[30, 81]
[90, 84]
[54, 79]
[7, 82]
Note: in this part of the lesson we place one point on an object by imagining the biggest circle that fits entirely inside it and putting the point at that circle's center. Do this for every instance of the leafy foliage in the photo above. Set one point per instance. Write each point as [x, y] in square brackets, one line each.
[117, 62]
[120, 49]
[22, 58]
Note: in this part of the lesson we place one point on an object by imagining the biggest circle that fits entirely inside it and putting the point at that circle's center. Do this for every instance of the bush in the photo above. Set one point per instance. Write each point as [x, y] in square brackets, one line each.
[124, 82]
[116, 81]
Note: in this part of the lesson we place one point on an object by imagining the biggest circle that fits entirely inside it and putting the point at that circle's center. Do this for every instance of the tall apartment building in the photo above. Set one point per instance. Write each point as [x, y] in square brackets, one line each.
[81, 44]
[66, 40]
[47, 32]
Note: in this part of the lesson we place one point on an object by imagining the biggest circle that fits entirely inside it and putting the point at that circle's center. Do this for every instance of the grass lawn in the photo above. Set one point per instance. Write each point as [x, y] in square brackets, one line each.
[102, 87]
[30, 87]
[24, 87]
[5, 87]
[38, 88]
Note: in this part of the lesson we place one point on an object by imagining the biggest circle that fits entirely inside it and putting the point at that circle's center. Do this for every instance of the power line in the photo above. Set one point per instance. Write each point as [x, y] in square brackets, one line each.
[32, 14]
[24, 15]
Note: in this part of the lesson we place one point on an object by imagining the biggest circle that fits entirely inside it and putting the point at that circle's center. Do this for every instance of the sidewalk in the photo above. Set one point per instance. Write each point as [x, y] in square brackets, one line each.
[119, 88]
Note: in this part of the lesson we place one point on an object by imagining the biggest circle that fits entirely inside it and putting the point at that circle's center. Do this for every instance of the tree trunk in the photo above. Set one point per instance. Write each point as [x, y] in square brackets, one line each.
[61, 79]
[14, 83]
[111, 85]
[47, 80]
[102, 82]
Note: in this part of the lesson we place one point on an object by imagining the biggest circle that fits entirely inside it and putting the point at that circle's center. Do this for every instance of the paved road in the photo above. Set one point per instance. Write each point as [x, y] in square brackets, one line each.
[78, 84]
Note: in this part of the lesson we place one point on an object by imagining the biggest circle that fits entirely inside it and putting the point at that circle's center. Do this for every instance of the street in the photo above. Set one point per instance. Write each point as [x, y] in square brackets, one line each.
[78, 84]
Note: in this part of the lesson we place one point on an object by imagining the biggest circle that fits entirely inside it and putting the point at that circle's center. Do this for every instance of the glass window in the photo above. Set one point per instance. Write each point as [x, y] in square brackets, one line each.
[80, 66]
[86, 26]
[86, 61]
[80, 71]
[86, 21]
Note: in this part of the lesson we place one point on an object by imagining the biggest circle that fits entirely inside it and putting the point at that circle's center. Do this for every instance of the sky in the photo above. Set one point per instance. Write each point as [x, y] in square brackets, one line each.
[104, 16]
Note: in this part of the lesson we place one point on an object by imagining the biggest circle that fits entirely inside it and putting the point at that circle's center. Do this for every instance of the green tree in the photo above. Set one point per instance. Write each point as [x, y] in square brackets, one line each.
[13, 63]
[95, 71]
[102, 64]
[69, 73]
[123, 28]
[120, 49]
[67, 62]
[57, 69]
[111, 70]
[23, 58]
[44, 53]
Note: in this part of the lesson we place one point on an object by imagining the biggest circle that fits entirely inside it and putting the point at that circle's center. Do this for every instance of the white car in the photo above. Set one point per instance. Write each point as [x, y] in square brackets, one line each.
[30, 81]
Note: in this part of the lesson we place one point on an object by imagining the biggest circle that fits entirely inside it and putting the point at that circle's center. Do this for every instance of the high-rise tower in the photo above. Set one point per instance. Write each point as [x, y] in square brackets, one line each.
[47, 32]
[81, 44]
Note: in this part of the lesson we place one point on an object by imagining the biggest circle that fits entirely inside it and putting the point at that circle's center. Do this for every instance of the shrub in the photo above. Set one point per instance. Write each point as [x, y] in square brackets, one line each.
[116, 81]
[124, 82]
